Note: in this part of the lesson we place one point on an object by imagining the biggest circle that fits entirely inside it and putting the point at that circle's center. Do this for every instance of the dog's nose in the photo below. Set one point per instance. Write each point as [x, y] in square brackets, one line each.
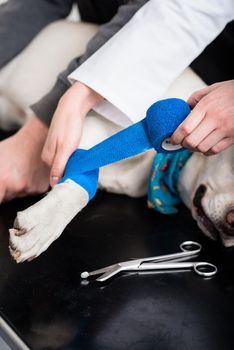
[229, 223]
[230, 218]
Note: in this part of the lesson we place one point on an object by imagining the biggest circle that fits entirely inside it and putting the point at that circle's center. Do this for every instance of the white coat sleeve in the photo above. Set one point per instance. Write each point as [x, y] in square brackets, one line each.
[137, 65]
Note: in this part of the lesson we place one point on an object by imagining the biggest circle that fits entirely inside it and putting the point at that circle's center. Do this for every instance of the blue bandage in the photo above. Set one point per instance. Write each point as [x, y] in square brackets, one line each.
[88, 180]
[162, 118]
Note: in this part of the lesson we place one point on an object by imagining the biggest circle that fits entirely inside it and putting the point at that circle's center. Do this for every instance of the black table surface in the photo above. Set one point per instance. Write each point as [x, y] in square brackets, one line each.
[48, 305]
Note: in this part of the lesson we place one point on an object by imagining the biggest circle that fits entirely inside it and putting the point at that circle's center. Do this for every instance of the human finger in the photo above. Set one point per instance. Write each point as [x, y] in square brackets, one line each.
[205, 128]
[199, 94]
[59, 163]
[220, 146]
[210, 141]
[188, 125]
[48, 151]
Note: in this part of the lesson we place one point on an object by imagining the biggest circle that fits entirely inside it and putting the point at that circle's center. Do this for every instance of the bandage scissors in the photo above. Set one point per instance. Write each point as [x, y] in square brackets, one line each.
[189, 249]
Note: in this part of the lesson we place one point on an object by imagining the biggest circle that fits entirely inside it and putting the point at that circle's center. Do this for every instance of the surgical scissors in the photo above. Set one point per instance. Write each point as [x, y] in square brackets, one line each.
[189, 249]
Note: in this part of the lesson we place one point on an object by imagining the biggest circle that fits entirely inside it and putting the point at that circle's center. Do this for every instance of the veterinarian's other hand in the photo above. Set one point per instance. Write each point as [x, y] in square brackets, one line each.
[22, 170]
[66, 128]
[209, 128]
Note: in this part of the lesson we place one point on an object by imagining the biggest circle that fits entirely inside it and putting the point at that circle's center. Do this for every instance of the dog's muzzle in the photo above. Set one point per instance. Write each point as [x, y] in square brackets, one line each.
[213, 229]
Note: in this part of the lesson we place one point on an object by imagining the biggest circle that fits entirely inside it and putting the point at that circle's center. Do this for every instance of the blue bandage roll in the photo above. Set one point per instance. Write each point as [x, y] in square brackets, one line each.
[161, 120]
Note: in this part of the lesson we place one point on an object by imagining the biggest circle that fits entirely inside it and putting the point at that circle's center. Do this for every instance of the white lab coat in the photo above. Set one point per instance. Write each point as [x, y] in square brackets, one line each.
[138, 64]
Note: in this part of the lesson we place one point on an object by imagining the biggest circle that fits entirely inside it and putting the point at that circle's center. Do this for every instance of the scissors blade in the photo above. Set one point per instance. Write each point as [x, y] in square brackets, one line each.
[86, 274]
[116, 269]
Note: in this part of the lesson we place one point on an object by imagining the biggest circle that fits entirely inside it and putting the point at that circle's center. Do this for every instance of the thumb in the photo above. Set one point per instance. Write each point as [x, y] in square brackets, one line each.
[195, 98]
[58, 166]
[198, 95]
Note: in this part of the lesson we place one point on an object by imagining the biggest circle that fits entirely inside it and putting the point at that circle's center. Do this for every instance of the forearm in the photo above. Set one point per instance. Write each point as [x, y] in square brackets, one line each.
[66, 127]
[79, 99]
[46, 106]
[21, 20]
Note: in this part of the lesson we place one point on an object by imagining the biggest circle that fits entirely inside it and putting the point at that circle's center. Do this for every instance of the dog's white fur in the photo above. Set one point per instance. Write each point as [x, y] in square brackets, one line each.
[35, 228]
[37, 68]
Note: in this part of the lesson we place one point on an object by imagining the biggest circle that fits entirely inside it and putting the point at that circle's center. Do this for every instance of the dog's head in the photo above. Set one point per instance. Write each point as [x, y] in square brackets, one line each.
[212, 200]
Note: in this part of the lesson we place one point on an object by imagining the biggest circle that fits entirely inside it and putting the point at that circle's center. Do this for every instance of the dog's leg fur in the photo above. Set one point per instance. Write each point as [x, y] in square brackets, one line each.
[36, 68]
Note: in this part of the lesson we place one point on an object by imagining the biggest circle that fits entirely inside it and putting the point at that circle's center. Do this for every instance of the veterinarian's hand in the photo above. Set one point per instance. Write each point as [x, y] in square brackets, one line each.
[209, 128]
[66, 128]
[22, 170]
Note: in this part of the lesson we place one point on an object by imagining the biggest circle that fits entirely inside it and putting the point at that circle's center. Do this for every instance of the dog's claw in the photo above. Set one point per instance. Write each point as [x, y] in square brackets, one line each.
[32, 258]
[20, 232]
[15, 254]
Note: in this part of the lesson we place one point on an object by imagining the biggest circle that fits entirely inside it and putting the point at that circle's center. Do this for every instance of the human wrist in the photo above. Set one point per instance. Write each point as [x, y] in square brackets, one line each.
[84, 97]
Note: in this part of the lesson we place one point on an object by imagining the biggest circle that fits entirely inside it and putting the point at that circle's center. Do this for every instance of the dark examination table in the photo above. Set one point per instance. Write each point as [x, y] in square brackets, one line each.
[48, 306]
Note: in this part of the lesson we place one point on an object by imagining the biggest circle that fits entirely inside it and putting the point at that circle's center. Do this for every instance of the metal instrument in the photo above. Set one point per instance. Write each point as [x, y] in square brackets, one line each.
[189, 249]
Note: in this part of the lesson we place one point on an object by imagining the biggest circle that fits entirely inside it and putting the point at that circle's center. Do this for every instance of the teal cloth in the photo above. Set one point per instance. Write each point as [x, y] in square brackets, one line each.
[163, 194]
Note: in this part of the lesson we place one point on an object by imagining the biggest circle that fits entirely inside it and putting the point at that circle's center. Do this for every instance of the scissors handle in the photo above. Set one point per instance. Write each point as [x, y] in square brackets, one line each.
[204, 269]
[191, 246]
[189, 249]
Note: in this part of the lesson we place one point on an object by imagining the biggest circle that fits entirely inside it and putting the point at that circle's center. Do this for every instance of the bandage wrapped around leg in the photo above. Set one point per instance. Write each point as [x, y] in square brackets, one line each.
[161, 120]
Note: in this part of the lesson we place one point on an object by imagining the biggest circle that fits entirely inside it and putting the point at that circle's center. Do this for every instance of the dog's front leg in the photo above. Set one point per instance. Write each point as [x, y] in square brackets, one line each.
[39, 225]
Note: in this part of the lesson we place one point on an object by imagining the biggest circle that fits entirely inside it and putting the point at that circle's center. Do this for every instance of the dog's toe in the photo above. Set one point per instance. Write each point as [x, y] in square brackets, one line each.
[25, 256]
[15, 253]
[20, 232]
[33, 251]
[24, 221]
[23, 243]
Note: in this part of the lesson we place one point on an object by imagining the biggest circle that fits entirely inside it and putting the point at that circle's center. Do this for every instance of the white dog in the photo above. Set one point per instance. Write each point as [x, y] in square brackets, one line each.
[206, 184]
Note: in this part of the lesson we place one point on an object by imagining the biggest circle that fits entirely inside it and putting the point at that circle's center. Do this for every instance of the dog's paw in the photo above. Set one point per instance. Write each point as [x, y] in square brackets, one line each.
[29, 242]
[38, 226]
